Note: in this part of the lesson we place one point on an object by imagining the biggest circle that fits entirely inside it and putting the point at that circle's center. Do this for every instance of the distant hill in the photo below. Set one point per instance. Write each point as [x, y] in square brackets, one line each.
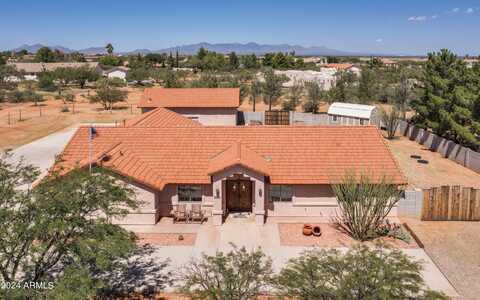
[239, 48]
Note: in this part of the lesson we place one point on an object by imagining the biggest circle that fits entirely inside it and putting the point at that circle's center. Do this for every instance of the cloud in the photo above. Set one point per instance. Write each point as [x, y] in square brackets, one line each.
[379, 40]
[418, 18]
[434, 17]
[456, 10]
[469, 10]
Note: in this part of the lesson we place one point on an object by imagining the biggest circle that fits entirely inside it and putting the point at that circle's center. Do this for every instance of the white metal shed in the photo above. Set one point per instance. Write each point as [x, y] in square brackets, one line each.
[352, 114]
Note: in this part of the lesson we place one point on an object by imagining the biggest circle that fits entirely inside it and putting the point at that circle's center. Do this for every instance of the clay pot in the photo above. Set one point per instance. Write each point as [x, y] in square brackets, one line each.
[316, 231]
[307, 229]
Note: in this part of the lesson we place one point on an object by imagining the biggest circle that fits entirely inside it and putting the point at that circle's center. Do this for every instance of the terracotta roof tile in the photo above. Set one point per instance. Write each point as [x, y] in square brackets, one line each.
[161, 117]
[190, 97]
[287, 154]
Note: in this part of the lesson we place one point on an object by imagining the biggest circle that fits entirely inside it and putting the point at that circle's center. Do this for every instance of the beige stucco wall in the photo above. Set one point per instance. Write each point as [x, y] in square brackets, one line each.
[210, 116]
[146, 213]
[169, 196]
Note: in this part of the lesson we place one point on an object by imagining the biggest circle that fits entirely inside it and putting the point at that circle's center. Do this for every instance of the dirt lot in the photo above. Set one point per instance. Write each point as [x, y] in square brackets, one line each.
[23, 123]
[455, 248]
[439, 170]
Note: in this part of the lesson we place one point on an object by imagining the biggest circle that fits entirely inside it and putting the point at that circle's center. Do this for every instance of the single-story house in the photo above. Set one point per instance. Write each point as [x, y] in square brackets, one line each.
[117, 72]
[343, 67]
[208, 106]
[353, 114]
[31, 70]
[268, 171]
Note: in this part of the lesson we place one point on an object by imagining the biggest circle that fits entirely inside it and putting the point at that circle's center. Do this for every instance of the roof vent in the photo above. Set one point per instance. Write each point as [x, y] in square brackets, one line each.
[268, 158]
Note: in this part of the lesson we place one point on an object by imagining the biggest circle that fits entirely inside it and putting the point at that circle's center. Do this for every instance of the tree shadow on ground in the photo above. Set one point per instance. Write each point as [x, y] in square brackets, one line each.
[142, 273]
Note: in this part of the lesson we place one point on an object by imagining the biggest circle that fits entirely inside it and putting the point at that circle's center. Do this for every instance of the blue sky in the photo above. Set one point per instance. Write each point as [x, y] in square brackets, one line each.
[403, 26]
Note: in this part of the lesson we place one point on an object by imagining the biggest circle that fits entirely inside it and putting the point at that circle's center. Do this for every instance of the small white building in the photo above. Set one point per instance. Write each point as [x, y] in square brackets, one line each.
[117, 72]
[353, 114]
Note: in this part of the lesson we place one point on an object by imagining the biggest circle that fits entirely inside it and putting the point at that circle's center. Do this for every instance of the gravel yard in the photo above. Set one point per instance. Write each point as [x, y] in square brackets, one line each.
[455, 248]
[439, 171]
[291, 235]
[167, 239]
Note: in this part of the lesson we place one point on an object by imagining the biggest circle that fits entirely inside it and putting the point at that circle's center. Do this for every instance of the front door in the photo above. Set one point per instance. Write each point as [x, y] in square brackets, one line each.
[239, 195]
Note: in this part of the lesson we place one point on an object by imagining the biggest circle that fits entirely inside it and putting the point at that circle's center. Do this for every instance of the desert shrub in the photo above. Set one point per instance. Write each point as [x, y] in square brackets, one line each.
[238, 275]
[46, 82]
[18, 96]
[391, 120]
[360, 273]
[364, 204]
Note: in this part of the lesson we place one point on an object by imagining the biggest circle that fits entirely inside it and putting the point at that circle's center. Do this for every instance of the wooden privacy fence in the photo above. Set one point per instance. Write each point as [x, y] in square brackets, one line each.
[451, 203]
[273, 117]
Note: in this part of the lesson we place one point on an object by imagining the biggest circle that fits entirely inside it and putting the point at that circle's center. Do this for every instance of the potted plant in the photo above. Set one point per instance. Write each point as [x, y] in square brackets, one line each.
[307, 229]
[316, 231]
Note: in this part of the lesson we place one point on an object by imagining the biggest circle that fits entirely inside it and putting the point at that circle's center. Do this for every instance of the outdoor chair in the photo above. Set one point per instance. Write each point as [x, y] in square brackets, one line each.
[197, 214]
[180, 213]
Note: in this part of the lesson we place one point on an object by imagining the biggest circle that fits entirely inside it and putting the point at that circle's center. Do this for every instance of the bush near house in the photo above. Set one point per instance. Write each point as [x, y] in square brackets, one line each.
[360, 273]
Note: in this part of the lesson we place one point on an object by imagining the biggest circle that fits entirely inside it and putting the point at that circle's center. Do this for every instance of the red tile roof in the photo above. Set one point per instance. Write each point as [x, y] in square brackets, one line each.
[238, 154]
[339, 66]
[190, 97]
[161, 117]
[287, 154]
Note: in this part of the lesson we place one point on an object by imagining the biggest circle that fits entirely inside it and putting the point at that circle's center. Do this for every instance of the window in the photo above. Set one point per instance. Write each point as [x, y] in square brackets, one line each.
[362, 122]
[280, 193]
[335, 118]
[189, 193]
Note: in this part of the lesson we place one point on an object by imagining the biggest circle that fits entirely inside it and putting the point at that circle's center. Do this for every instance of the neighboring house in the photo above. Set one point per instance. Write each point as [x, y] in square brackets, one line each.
[339, 67]
[326, 78]
[353, 114]
[269, 171]
[31, 70]
[208, 106]
[389, 63]
[117, 72]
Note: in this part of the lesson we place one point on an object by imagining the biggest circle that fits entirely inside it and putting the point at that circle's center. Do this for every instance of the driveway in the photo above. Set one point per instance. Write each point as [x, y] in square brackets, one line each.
[455, 248]
[42, 152]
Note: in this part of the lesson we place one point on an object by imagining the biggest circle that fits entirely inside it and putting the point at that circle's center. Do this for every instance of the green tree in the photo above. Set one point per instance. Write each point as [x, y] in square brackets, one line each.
[250, 61]
[271, 88]
[201, 53]
[255, 91]
[367, 87]
[343, 91]
[449, 95]
[314, 97]
[360, 273]
[45, 54]
[109, 48]
[236, 275]
[295, 93]
[138, 74]
[62, 230]
[108, 94]
[233, 61]
[110, 60]
[84, 74]
[46, 81]
[364, 202]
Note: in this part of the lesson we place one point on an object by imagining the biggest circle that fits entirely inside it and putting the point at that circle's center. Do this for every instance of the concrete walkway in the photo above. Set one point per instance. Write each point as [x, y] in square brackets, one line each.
[244, 232]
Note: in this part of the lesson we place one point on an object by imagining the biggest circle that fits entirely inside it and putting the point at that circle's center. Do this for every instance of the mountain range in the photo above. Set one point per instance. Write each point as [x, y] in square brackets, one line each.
[239, 48]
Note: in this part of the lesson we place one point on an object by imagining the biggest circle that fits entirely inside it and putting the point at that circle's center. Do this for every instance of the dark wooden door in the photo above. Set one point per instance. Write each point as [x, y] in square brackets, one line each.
[239, 195]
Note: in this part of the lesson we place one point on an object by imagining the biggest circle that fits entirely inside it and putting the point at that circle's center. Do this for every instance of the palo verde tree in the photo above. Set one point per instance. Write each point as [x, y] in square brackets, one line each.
[59, 233]
[360, 273]
[235, 275]
[448, 101]
[271, 87]
[391, 120]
